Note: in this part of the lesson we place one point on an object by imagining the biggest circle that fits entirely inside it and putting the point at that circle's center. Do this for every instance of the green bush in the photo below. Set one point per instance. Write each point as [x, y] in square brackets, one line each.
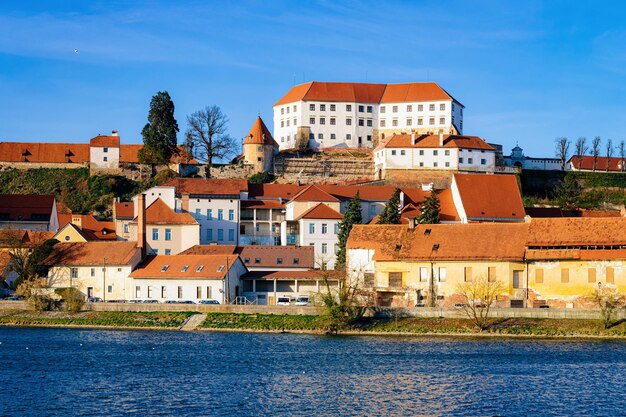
[261, 178]
[74, 299]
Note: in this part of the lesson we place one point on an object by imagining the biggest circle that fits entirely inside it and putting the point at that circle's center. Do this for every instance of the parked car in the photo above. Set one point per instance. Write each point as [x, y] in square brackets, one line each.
[303, 300]
[208, 302]
[186, 302]
[150, 301]
[135, 301]
[283, 301]
[116, 301]
[171, 302]
[94, 300]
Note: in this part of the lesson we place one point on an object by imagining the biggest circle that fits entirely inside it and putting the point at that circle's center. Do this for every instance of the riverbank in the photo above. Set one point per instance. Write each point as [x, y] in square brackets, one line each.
[272, 323]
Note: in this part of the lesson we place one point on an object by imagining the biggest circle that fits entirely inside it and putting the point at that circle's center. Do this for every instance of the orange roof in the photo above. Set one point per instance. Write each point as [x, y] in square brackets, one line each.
[91, 228]
[26, 207]
[492, 197]
[574, 254]
[313, 193]
[321, 211]
[274, 191]
[432, 141]
[601, 162]
[160, 213]
[93, 253]
[124, 210]
[208, 186]
[334, 91]
[44, 152]
[600, 213]
[410, 92]
[447, 208]
[263, 256]
[577, 231]
[310, 274]
[259, 134]
[23, 238]
[185, 266]
[210, 250]
[493, 241]
[262, 204]
[364, 92]
[108, 141]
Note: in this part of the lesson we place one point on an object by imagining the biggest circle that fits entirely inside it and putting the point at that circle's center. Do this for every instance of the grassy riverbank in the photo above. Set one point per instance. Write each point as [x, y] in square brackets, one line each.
[122, 319]
[516, 327]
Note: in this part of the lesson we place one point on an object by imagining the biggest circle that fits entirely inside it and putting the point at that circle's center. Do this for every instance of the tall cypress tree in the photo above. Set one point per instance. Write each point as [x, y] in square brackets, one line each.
[159, 134]
[353, 216]
[429, 209]
[391, 212]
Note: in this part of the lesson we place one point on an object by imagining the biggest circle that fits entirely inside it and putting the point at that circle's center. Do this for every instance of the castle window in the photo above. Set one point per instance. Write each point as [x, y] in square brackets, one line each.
[431, 107]
[348, 107]
[420, 107]
[105, 159]
[259, 159]
[370, 109]
[312, 107]
[409, 108]
[442, 107]
[332, 107]
[322, 107]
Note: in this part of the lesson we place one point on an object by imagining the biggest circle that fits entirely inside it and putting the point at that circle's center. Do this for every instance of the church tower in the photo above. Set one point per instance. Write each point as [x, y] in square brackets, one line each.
[259, 147]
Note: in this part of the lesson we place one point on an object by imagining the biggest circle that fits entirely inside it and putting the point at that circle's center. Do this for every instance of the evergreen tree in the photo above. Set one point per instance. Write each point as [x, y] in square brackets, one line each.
[391, 212]
[159, 134]
[430, 209]
[567, 193]
[353, 216]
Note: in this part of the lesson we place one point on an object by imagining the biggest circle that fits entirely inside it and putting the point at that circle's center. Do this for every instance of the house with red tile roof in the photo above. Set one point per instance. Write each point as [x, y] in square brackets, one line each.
[83, 228]
[411, 152]
[602, 164]
[37, 212]
[345, 114]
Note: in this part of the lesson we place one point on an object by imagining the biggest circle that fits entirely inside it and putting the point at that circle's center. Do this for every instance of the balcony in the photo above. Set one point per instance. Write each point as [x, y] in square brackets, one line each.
[292, 238]
[259, 240]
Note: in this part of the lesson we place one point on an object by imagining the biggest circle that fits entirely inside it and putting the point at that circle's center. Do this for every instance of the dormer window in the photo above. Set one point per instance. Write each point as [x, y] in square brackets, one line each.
[220, 268]
[199, 268]
[184, 268]
[164, 268]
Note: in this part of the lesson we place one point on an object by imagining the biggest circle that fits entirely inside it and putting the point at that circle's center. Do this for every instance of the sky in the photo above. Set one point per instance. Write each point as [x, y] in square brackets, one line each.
[527, 72]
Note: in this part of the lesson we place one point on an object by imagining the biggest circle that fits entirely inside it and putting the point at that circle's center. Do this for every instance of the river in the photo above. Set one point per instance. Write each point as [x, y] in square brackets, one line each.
[68, 372]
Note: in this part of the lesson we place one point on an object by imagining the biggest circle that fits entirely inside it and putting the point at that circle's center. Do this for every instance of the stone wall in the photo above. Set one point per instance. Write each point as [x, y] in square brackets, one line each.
[229, 171]
[413, 178]
[34, 165]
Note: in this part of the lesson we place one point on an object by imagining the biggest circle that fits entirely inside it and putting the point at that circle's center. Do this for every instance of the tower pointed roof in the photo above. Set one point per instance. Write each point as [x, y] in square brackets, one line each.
[259, 134]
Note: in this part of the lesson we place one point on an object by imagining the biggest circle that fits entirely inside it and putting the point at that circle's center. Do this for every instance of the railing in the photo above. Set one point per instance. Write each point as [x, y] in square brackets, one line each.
[506, 170]
[243, 301]
[258, 240]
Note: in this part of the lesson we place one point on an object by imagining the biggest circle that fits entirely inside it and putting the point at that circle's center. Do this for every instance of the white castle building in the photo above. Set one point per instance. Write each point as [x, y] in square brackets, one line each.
[354, 115]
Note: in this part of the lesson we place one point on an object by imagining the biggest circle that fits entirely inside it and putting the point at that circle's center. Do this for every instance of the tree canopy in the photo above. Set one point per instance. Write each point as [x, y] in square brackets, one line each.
[207, 134]
[159, 134]
[353, 216]
[429, 209]
[391, 212]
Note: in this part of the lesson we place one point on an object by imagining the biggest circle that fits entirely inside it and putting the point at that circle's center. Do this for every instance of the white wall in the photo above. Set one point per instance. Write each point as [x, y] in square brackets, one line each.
[97, 157]
[411, 110]
[198, 208]
[318, 239]
[109, 283]
[152, 289]
[167, 194]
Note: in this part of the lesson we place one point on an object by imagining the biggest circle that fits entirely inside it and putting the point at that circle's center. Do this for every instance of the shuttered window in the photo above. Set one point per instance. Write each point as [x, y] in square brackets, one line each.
[565, 275]
[491, 274]
[468, 273]
[395, 279]
[539, 276]
[591, 275]
[610, 278]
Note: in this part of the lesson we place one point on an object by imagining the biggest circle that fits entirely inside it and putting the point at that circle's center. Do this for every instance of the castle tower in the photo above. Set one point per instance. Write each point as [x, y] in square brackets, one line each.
[259, 147]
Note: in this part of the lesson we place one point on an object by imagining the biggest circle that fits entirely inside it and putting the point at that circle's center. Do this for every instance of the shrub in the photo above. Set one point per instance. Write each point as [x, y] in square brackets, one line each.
[261, 178]
[74, 299]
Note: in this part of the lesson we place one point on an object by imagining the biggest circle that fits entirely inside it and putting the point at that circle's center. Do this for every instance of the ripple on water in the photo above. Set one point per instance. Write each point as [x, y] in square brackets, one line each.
[185, 374]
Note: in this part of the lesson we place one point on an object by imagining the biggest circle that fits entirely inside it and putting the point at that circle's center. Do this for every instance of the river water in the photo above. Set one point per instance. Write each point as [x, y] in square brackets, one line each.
[67, 372]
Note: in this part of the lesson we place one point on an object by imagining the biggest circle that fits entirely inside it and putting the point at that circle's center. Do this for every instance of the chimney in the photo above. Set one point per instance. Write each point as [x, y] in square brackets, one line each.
[77, 220]
[184, 204]
[141, 224]
[413, 138]
[441, 139]
[412, 222]
[114, 133]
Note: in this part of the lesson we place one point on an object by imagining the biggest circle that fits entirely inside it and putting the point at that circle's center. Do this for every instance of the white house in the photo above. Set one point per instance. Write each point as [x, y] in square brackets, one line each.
[96, 268]
[29, 212]
[188, 277]
[518, 159]
[319, 227]
[104, 152]
[337, 114]
[434, 152]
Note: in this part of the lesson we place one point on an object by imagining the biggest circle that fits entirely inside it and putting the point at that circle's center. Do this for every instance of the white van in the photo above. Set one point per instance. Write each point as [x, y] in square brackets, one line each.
[303, 300]
[283, 301]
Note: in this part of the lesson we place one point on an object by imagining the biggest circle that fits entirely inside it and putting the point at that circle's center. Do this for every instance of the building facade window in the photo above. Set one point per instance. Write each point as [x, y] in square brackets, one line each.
[312, 107]
[209, 214]
[155, 234]
[312, 120]
[231, 234]
[324, 228]
[311, 228]
[332, 107]
[168, 234]
[220, 214]
[220, 235]
[209, 234]
[348, 107]
[231, 214]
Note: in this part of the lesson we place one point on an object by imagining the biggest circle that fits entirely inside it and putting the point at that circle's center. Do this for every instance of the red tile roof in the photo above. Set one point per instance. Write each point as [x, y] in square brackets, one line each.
[259, 134]
[432, 141]
[447, 208]
[268, 256]
[274, 191]
[23, 238]
[210, 250]
[185, 266]
[31, 207]
[577, 231]
[105, 141]
[411, 92]
[364, 92]
[44, 152]
[492, 197]
[160, 213]
[125, 210]
[314, 193]
[91, 228]
[321, 211]
[208, 186]
[288, 275]
[601, 162]
[93, 253]
[262, 204]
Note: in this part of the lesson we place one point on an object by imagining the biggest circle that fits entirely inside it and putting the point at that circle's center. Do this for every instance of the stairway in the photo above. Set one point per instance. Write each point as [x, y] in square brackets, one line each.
[193, 322]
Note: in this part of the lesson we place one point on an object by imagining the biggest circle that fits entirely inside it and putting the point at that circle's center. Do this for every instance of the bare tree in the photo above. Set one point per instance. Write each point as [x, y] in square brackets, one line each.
[343, 305]
[480, 294]
[581, 150]
[622, 155]
[609, 153]
[562, 150]
[607, 299]
[595, 150]
[207, 135]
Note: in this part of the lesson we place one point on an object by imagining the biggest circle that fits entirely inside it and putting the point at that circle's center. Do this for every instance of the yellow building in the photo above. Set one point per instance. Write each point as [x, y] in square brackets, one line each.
[557, 262]
[259, 147]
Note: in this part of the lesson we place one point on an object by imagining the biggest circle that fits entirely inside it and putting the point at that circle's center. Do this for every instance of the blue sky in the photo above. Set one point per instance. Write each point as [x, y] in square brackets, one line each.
[527, 72]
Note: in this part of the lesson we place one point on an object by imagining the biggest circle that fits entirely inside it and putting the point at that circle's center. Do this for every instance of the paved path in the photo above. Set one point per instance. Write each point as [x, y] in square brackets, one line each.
[193, 322]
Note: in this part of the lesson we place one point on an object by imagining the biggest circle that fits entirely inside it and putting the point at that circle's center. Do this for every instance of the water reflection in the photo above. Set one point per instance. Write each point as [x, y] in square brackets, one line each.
[95, 372]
